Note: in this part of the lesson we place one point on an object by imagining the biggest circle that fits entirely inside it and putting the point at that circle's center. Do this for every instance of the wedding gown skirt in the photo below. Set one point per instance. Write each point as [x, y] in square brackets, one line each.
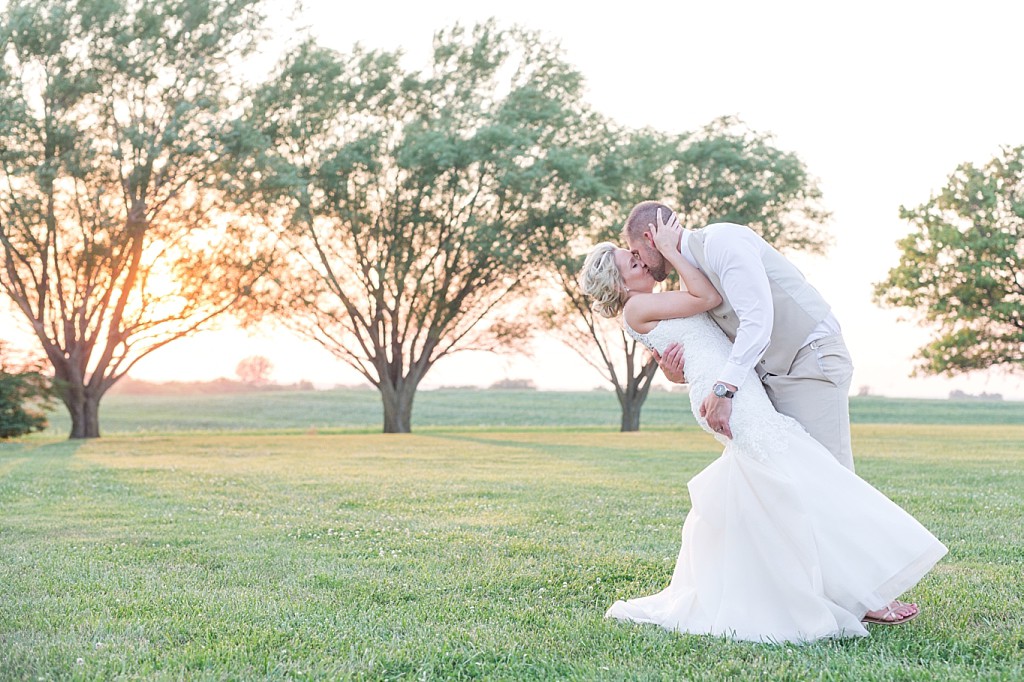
[782, 543]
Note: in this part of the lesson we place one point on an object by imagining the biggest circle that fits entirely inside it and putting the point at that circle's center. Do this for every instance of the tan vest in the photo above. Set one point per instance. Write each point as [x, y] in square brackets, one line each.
[798, 306]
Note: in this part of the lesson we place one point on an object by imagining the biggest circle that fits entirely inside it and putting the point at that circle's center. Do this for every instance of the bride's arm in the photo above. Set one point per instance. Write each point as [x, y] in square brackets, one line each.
[667, 236]
[644, 311]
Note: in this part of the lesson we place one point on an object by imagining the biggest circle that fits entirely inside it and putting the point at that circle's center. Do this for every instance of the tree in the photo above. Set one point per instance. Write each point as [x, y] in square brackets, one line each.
[114, 236]
[961, 268]
[25, 395]
[633, 168]
[254, 369]
[414, 204]
[724, 172]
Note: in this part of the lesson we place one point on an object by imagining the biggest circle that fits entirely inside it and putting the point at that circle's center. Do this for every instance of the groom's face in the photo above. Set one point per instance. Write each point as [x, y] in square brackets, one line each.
[647, 254]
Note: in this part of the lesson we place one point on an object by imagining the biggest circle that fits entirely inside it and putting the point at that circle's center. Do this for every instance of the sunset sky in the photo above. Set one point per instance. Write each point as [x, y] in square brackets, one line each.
[882, 100]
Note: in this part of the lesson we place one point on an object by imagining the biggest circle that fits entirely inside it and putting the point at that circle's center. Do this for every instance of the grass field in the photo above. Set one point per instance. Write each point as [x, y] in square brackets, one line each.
[360, 409]
[458, 552]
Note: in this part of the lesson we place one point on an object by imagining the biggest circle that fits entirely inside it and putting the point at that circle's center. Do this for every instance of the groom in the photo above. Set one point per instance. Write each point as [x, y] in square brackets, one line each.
[781, 327]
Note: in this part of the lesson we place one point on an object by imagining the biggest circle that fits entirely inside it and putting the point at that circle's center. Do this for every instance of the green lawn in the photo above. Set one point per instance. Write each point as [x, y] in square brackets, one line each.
[453, 553]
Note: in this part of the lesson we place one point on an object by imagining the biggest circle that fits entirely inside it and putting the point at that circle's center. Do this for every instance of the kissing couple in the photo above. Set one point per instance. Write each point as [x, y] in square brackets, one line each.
[783, 541]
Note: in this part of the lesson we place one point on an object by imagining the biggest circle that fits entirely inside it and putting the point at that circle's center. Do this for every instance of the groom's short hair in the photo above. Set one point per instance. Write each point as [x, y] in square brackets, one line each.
[643, 214]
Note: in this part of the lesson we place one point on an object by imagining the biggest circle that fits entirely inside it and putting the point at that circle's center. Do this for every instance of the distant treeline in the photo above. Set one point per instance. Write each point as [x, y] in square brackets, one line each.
[961, 395]
[129, 386]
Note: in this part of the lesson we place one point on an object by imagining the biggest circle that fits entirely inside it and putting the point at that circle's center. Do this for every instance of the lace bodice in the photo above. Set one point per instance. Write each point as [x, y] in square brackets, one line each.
[756, 426]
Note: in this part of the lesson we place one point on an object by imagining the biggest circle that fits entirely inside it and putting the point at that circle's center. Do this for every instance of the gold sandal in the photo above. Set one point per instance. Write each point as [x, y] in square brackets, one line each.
[890, 610]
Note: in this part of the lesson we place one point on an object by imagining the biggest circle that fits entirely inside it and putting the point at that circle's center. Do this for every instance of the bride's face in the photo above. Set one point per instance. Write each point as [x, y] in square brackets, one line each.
[634, 273]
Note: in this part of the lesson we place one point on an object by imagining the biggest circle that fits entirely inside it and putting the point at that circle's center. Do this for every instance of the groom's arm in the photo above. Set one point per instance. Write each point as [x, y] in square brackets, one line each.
[733, 254]
[672, 363]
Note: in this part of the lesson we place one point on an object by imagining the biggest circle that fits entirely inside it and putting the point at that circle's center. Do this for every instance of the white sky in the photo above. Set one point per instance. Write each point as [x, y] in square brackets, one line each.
[882, 100]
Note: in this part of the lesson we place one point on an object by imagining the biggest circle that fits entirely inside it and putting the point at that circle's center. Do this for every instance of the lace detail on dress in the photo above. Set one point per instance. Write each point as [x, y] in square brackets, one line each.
[758, 428]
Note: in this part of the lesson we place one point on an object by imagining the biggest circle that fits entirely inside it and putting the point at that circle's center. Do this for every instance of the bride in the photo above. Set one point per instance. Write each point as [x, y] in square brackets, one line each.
[782, 543]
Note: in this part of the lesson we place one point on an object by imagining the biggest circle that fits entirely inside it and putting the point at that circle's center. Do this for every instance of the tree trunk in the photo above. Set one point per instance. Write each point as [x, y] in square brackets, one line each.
[631, 413]
[397, 407]
[633, 396]
[84, 409]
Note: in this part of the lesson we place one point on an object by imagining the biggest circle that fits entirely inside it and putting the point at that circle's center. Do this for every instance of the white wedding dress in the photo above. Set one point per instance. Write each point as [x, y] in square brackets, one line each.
[782, 543]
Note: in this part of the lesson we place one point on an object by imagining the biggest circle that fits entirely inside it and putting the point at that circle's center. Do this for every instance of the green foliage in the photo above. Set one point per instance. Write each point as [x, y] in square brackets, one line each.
[961, 268]
[25, 397]
[415, 202]
[729, 173]
[17, 392]
[724, 172]
[112, 227]
[458, 554]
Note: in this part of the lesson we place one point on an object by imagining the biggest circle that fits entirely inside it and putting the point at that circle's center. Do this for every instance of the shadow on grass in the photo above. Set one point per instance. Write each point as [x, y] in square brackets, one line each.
[57, 449]
[694, 440]
[539, 446]
[32, 452]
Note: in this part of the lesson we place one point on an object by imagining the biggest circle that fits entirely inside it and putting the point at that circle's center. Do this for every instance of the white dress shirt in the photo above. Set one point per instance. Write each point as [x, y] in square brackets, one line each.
[733, 253]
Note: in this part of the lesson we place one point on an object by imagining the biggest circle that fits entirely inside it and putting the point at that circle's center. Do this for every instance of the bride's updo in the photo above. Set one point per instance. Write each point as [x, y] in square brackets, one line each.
[602, 282]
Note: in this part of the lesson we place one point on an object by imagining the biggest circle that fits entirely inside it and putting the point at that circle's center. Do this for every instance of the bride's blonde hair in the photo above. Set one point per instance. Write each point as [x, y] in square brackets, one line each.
[602, 282]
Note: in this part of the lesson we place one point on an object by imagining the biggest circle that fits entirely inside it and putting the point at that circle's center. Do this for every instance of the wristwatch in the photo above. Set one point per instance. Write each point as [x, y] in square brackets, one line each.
[722, 391]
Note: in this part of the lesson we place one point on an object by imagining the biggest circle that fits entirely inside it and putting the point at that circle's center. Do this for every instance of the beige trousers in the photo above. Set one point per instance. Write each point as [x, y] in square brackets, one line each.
[816, 393]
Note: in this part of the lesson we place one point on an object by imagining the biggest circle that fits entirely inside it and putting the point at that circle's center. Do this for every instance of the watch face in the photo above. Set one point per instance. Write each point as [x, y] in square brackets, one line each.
[720, 390]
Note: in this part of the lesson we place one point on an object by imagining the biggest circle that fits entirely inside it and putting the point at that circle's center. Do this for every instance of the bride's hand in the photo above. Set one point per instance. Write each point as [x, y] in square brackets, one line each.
[667, 234]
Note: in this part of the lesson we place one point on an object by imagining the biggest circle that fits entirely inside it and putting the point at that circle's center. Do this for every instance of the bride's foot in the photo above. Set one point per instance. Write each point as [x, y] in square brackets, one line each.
[894, 613]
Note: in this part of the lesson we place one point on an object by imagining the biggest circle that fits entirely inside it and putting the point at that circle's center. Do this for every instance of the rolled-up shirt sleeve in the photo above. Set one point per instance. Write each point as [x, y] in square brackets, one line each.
[745, 284]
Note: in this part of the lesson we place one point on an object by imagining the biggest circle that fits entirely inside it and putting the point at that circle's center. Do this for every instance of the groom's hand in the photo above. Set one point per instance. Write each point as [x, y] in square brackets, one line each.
[717, 411]
[672, 363]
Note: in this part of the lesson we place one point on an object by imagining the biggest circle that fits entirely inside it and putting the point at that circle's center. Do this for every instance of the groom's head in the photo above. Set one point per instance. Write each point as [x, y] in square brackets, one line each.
[639, 235]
